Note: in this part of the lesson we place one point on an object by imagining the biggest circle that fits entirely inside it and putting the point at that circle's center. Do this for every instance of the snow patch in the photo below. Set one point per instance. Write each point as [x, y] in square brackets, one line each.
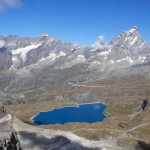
[23, 51]
[15, 62]
[105, 53]
[42, 59]
[112, 62]
[134, 40]
[93, 50]
[80, 58]
[96, 62]
[133, 29]
[126, 59]
[61, 54]
[142, 59]
[53, 56]
[142, 45]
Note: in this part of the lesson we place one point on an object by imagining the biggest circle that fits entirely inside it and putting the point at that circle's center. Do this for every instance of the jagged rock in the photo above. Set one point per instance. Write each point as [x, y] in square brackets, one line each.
[8, 137]
[11, 143]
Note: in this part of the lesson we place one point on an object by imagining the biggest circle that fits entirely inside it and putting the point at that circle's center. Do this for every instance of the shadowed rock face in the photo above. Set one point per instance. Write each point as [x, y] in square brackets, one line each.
[142, 146]
[11, 143]
[56, 143]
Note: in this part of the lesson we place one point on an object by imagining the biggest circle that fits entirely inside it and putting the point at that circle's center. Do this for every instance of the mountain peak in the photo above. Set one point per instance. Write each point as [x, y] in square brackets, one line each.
[44, 34]
[133, 29]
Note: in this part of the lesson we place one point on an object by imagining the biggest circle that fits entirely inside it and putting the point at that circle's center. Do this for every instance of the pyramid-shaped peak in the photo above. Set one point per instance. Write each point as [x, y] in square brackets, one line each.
[128, 38]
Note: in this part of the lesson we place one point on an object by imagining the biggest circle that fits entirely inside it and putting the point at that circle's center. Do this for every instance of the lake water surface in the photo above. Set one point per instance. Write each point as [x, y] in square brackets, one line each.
[89, 113]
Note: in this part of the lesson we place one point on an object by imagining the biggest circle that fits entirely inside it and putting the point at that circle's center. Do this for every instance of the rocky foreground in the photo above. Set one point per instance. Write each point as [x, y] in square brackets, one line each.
[16, 135]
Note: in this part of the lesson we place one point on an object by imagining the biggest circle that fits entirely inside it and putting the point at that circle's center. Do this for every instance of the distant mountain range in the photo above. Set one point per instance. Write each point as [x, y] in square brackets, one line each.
[42, 61]
[127, 49]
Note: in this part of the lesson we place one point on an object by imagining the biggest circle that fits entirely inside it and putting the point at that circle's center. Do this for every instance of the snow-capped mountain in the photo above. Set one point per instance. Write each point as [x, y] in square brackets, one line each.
[127, 49]
[129, 44]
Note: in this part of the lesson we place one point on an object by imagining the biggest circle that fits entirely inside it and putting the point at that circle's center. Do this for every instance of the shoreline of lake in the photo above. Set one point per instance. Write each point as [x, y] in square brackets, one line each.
[71, 106]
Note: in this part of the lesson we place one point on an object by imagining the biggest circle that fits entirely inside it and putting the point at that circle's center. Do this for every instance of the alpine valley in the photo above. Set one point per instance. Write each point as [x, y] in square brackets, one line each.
[39, 74]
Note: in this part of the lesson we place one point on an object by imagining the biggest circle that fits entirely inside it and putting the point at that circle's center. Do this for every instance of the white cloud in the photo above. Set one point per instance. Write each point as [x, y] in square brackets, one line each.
[6, 4]
[99, 44]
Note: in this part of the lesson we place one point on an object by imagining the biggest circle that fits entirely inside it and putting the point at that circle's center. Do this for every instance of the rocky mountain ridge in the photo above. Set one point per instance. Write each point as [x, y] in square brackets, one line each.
[128, 47]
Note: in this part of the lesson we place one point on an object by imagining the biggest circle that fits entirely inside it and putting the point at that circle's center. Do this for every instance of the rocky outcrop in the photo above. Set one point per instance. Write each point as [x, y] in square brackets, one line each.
[8, 136]
[11, 143]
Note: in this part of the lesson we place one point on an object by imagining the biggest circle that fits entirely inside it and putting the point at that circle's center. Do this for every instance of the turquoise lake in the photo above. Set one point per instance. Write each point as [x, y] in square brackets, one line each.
[89, 113]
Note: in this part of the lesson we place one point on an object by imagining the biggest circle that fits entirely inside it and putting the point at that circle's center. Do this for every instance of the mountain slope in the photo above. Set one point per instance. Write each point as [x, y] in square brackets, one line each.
[32, 63]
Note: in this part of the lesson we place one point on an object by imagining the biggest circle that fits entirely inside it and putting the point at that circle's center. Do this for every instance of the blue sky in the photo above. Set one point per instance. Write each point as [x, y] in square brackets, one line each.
[79, 21]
